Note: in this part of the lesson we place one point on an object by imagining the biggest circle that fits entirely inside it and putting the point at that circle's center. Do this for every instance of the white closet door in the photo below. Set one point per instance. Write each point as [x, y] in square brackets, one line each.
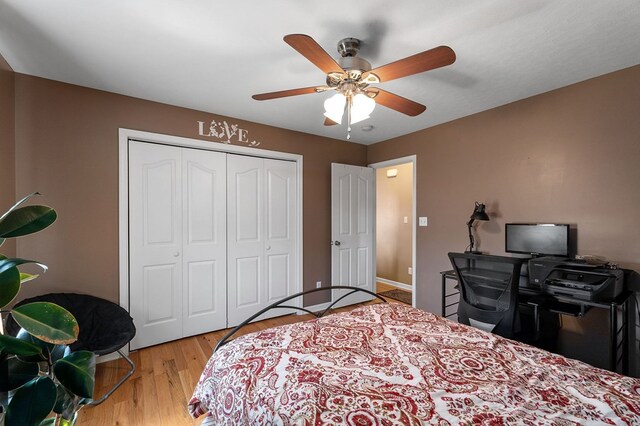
[155, 243]
[261, 235]
[245, 239]
[280, 229]
[204, 244]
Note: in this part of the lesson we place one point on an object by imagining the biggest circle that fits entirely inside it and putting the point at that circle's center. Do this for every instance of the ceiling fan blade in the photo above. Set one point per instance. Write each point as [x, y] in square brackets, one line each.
[398, 103]
[291, 92]
[430, 59]
[311, 50]
[329, 122]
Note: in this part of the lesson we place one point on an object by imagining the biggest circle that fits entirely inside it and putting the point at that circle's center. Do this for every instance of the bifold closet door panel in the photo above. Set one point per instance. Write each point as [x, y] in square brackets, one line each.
[155, 242]
[204, 245]
[245, 238]
[280, 229]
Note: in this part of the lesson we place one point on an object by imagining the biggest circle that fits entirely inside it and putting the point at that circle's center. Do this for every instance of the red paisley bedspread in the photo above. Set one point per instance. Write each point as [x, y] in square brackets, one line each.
[390, 364]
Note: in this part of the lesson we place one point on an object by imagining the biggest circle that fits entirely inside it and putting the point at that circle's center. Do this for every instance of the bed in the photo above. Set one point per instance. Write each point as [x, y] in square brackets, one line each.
[391, 364]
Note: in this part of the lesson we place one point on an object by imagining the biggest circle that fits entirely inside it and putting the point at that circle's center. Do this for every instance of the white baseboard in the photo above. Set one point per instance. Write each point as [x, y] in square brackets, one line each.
[109, 357]
[401, 286]
[316, 308]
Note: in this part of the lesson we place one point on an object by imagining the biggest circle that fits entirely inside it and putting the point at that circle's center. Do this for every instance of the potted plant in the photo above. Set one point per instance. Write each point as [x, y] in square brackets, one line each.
[39, 374]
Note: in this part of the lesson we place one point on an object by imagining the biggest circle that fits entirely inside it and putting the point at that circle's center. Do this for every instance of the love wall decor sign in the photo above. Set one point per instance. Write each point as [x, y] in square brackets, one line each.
[226, 133]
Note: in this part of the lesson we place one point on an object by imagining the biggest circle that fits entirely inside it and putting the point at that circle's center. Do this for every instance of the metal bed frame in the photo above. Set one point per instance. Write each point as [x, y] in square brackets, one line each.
[279, 304]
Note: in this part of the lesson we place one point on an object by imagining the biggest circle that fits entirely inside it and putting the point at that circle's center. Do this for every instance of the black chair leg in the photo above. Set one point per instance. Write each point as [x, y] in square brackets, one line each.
[117, 385]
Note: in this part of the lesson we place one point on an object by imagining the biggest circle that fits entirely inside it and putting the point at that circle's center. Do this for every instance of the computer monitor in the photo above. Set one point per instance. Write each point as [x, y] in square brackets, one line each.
[537, 239]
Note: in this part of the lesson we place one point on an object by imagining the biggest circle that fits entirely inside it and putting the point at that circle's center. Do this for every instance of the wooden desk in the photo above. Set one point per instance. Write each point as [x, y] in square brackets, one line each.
[565, 305]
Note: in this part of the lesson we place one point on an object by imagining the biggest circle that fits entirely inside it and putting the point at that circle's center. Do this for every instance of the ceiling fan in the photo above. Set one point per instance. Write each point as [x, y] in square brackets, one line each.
[351, 77]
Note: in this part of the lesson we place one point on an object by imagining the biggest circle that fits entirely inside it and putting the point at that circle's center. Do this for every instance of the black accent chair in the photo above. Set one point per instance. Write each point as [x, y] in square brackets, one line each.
[488, 291]
[105, 327]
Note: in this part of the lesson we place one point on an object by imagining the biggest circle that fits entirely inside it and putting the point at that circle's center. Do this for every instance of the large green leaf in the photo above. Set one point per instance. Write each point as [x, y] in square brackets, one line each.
[6, 264]
[16, 205]
[9, 284]
[76, 372]
[47, 321]
[18, 373]
[26, 220]
[32, 402]
[50, 352]
[12, 345]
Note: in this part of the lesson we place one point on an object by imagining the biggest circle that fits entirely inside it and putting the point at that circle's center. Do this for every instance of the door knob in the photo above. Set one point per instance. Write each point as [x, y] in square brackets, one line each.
[268, 247]
[337, 243]
[176, 254]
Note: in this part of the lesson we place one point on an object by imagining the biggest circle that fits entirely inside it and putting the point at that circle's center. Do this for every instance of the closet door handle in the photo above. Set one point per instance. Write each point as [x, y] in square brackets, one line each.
[268, 247]
[176, 254]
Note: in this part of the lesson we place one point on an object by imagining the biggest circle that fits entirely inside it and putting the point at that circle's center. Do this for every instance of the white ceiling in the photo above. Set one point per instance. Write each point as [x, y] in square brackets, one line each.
[213, 55]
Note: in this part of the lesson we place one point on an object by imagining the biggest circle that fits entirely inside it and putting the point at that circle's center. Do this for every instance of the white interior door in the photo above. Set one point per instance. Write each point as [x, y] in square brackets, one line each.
[352, 229]
[155, 241]
[204, 243]
[261, 226]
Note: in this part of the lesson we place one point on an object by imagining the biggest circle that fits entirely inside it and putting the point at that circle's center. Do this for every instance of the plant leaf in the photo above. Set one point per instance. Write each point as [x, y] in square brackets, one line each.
[32, 402]
[47, 321]
[16, 205]
[18, 373]
[13, 262]
[26, 220]
[48, 422]
[12, 345]
[24, 277]
[64, 400]
[9, 284]
[76, 372]
[50, 352]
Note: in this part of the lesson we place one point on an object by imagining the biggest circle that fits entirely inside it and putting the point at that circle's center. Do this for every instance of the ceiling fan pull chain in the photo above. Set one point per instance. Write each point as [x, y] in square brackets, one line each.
[349, 117]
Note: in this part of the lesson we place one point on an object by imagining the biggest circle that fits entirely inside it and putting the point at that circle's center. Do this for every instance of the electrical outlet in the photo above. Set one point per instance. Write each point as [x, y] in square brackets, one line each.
[410, 270]
[422, 221]
[318, 284]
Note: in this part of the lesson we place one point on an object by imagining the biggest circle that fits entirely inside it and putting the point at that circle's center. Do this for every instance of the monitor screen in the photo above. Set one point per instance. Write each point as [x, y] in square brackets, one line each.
[537, 239]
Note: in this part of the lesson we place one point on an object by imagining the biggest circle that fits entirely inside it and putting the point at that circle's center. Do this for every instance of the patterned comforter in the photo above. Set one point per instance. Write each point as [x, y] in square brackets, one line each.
[390, 364]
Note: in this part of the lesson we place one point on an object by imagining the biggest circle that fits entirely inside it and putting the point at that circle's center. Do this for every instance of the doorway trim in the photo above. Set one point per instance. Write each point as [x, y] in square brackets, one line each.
[414, 220]
[124, 135]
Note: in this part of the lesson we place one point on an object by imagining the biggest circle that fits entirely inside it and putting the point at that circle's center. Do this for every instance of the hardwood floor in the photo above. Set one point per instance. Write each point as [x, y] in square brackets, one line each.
[166, 374]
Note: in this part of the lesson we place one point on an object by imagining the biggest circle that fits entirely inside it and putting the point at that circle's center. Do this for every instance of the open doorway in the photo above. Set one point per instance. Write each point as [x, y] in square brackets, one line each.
[395, 229]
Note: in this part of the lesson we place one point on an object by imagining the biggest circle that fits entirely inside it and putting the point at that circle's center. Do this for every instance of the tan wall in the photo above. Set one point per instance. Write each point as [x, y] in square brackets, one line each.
[568, 156]
[67, 148]
[393, 236]
[7, 146]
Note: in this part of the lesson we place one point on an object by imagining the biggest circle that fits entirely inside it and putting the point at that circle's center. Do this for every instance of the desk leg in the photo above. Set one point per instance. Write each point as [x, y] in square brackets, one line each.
[613, 337]
[444, 289]
[625, 335]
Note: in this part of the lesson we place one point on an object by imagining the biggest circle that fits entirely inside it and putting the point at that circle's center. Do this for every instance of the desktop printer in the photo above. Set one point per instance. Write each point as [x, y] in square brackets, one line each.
[562, 277]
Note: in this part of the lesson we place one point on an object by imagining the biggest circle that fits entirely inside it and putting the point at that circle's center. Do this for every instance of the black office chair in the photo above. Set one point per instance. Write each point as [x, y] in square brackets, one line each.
[105, 327]
[488, 291]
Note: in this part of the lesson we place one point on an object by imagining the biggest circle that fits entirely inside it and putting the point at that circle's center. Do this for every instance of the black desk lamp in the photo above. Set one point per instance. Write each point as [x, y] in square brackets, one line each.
[478, 214]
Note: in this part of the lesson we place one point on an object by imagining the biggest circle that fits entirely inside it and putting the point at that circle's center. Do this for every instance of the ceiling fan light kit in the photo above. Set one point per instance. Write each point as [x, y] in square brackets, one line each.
[359, 107]
[351, 77]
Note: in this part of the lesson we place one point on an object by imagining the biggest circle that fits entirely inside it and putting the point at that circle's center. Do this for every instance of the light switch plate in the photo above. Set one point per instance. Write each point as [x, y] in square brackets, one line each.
[422, 221]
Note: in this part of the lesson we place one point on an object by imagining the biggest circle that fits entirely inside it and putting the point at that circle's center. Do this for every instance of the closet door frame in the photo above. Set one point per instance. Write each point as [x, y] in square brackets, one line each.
[124, 135]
